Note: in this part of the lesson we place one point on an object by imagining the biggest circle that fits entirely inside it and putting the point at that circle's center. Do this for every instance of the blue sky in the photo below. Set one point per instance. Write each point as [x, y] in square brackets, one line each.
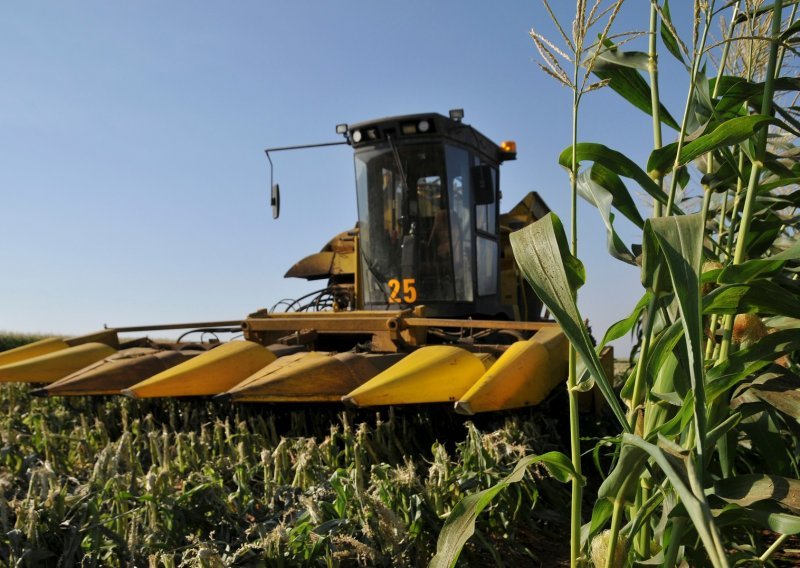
[134, 185]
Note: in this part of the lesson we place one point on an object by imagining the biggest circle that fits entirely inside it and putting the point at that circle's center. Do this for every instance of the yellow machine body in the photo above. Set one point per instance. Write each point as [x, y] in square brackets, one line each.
[423, 303]
[53, 366]
[119, 371]
[35, 349]
[436, 373]
[311, 377]
[523, 376]
[211, 373]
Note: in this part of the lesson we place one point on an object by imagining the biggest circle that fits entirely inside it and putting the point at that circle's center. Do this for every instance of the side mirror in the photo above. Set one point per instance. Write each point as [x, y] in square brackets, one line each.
[482, 184]
[275, 201]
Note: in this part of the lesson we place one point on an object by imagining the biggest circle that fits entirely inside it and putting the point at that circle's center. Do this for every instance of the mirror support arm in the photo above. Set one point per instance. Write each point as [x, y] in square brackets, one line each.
[275, 195]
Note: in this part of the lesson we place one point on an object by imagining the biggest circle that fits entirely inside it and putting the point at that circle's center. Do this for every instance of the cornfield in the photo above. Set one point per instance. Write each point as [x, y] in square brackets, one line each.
[698, 464]
[119, 482]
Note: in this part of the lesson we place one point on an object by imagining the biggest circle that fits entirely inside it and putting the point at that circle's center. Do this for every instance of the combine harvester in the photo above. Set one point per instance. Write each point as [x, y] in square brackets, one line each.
[423, 304]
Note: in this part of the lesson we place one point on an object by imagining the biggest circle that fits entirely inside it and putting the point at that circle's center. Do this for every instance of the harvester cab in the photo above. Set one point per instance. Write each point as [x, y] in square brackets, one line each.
[428, 198]
[423, 301]
[429, 227]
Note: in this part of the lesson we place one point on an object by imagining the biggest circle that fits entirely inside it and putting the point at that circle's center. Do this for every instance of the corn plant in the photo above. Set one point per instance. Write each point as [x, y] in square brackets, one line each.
[706, 453]
[119, 482]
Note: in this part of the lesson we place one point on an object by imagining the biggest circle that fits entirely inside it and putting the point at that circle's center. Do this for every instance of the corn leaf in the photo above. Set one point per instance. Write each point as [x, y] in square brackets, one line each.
[781, 523]
[621, 198]
[721, 430]
[765, 227]
[601, 513]
[758, 267]
[620, 69]
[752, 359]
[460, 525]
[744, 490]
[677, 467]
[618, 163]
[624, 326]
[782, 392]
[763, 296]
[663, 349]
[790, 30]
[757, 12]
[669, 39]
[764, 434]
[623, 481]
[598, 196]
[618, 58]
[680, 240]
[728, 133]
[543, 256]
[736, 91]
[783, 182]
[702, 109]
[759, 515]
[654, 275]
[677, 421]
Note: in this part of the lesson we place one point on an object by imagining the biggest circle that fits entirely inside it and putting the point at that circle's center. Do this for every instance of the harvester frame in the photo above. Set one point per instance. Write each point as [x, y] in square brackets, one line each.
[424, 302]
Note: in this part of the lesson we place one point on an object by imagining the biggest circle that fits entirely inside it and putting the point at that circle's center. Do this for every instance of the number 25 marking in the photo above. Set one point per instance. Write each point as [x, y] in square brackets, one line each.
[409, 291]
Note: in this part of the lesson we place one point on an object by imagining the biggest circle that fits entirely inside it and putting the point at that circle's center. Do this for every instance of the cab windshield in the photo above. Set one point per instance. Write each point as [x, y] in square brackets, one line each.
[404, 203]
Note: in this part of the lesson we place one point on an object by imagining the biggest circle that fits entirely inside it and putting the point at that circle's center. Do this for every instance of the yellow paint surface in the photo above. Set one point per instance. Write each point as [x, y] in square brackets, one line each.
[213, 372]
[437, 373]
[523, 376]
[35, 349]
[55, 365]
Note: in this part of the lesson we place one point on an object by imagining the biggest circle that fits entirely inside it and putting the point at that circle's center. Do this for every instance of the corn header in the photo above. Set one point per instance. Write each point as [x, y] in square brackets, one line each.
[423, 302]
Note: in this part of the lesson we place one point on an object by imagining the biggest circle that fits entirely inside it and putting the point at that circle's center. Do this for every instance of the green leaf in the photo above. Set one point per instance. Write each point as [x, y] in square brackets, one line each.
[624, 326]
[764, 229]
[540, 250]
[677, 468]
[764, 434]
[614, 56]
[762, 296]
[602, 199]
[749, 270]
[759, 515]
[789, 118]
[460, 525]
[681, 243]
[620, 69]
[654, 275]
[601, 512]
[737, 91]
[669, 39]
[756, 13]
[676, 422]
[728, 133]
[781, 392]
[744, 490]
[623, 481]
[618, 163]
[721, 430]
[758, 267]
[662, 363]
[726, 176]
[749, 360]
[782, 322]
[790, 30]
[620, 196]
[702, 108]
[783, 182]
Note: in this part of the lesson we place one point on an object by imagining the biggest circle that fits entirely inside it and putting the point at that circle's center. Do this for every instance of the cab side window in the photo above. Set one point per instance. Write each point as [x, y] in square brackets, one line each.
[487, 246]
